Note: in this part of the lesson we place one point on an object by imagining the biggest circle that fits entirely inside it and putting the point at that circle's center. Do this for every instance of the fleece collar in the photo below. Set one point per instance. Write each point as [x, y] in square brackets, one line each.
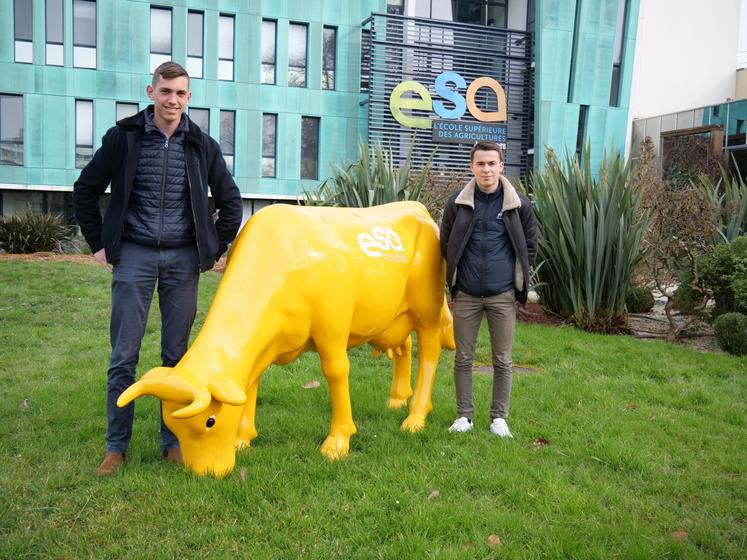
[511, 198]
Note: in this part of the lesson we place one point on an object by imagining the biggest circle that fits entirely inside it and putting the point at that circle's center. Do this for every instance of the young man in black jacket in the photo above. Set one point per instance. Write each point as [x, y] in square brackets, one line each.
[157, 231]
[489, 241]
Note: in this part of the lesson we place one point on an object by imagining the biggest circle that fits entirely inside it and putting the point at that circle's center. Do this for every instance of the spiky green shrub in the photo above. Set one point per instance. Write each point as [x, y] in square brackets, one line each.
[729, 197]
[371, 181]
[31, 233]
[639, 300]
[589, 239]
[731, 333]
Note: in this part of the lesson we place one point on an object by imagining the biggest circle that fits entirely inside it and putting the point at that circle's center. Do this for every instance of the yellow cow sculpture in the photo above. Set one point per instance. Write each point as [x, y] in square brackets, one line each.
[308, 278]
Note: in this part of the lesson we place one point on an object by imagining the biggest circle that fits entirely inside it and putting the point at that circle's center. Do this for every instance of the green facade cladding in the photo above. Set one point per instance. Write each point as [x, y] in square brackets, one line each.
[122, 73]
[574, 64]
[575, 50]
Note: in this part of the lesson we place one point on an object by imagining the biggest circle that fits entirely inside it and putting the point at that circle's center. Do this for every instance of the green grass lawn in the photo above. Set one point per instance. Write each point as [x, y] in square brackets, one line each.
[645, 439]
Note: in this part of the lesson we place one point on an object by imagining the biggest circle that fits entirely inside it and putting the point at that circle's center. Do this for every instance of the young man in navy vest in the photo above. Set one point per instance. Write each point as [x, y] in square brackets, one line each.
[157, 233]
[489, 241]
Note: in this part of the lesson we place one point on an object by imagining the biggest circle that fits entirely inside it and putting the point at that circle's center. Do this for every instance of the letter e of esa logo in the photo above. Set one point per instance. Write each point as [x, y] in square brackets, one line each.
[380, 240]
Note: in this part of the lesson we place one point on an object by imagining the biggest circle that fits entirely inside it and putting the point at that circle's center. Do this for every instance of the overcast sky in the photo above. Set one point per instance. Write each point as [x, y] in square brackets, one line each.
[742, 54]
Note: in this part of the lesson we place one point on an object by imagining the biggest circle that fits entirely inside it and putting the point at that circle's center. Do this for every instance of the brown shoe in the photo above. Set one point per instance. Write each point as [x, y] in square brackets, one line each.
[112, 461]
[173, 455]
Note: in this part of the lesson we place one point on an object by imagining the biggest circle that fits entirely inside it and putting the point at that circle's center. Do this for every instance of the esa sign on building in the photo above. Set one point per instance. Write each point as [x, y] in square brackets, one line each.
[448, 127]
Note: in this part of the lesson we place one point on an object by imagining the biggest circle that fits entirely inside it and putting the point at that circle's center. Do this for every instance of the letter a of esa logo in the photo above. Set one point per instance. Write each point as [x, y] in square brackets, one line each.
[380, 240]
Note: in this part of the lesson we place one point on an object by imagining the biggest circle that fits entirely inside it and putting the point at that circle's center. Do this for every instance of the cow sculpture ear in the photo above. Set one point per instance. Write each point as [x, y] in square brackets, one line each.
[226, 391]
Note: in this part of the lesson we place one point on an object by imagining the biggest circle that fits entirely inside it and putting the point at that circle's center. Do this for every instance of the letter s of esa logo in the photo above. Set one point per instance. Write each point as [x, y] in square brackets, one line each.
[380, 240]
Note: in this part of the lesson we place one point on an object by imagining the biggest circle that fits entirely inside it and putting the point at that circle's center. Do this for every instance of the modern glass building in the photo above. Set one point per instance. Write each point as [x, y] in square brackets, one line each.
[288, 87]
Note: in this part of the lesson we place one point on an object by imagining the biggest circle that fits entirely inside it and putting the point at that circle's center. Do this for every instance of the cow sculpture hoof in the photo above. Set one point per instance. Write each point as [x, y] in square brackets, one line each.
[395, 404]
[336, 447]
[413, 423]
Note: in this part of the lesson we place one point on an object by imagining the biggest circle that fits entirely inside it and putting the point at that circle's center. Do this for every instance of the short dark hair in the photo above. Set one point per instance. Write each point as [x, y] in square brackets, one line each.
[485, 146]
[168, 71]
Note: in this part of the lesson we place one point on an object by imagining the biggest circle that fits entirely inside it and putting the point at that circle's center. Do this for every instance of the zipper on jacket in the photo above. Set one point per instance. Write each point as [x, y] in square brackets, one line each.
[187, 155]
[163, 190]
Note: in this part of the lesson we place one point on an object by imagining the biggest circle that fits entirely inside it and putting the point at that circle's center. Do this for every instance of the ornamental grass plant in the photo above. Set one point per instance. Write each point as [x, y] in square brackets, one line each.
[31, 233]
[590, 235]
[372, 180]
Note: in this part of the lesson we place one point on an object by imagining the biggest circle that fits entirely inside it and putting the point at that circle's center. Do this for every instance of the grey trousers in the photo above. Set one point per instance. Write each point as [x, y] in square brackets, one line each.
[139, 270]
[500, 311]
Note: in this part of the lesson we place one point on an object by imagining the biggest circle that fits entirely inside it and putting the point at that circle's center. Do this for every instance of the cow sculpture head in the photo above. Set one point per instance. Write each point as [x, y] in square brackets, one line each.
[204, 418]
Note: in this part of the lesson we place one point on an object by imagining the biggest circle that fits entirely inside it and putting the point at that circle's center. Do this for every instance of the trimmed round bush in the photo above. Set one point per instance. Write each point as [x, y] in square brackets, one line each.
[731, 333]
[639, 300]
[686, 299]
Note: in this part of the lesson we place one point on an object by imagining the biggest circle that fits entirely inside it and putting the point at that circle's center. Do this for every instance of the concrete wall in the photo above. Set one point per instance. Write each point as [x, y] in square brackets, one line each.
[686, 55]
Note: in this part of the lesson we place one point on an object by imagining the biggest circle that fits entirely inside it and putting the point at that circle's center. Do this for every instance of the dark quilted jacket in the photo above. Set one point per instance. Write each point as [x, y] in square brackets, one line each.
[115, 163]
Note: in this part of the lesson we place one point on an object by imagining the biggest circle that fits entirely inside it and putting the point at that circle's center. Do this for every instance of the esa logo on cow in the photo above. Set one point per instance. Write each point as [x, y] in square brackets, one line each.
[380, 241]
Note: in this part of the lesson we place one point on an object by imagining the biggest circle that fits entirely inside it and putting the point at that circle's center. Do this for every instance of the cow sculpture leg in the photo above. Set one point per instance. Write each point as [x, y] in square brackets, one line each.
[402, 364]
[247, 429]
[336, 367]
[429, 349]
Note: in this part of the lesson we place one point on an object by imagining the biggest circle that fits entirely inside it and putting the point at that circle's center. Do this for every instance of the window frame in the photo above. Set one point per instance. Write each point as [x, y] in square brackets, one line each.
[232, 155]
[318, 121]
[81, 48]
[54, 46]
[193, 72]
[274, 156]
[232, 60]
[274, 64]
[158, 57]
[13, 142]
[23, 46]
[206, 130]
[305, 26]
[79, 158]
[333, 69]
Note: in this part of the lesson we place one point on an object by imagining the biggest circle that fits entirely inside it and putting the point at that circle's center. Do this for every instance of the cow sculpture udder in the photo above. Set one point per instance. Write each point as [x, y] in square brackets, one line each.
[308, 278]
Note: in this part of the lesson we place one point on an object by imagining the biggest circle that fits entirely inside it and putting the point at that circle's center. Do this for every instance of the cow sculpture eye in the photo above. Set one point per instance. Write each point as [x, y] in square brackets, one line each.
[210, 422]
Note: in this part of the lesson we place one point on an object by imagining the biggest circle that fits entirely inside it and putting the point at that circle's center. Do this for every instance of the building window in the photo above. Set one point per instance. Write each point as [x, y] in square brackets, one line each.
[23, 29]
[227, 137]
[493, 13]
[160, 37]
[84, 33]
[225, 47]
[201, 117]
[195, 44]
[83, 132]
[329, 58]
[125, 110]
[622, 8]
[395, 7]
[365, 59]
[269, 50]
[11, 129]
[583, 114]
[269, 144]
[309, 147]
[297, 37]
[54, 21]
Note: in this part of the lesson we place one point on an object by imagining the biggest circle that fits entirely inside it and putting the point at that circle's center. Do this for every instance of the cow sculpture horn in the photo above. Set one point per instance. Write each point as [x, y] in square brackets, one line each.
[174, 388]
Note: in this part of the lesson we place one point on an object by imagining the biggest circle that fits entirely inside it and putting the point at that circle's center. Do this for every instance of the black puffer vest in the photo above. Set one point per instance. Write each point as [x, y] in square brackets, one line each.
[487, 264]
[160, 211]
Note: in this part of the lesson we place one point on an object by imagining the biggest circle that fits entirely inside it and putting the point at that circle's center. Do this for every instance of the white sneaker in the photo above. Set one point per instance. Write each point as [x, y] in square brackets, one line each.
[461, 424]
[499, 428]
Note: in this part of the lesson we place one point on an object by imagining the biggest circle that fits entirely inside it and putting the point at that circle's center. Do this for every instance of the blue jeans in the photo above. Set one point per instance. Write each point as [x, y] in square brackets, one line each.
[139, 270]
